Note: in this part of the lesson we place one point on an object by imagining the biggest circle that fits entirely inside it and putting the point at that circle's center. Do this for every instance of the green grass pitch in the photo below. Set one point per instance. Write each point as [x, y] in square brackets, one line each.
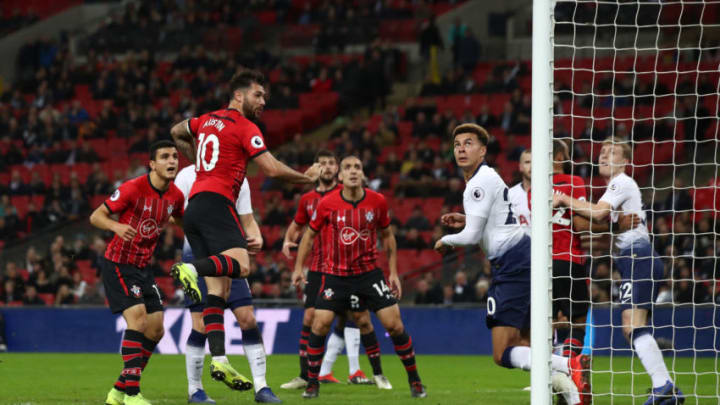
[85, 379]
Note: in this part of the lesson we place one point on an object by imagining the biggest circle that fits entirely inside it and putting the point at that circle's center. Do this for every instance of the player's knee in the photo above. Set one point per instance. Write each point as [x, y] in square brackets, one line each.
[246, 319]
[308, 317]
[395, 327]
[363, 323]
[155, 333]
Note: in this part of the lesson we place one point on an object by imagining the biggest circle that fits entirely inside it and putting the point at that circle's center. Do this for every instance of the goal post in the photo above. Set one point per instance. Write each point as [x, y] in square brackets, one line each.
[541, 269]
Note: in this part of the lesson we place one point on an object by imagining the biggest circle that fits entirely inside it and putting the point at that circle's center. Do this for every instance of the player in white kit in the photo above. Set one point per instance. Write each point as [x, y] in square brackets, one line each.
[490, 221]
[239, 300]
[641, 268]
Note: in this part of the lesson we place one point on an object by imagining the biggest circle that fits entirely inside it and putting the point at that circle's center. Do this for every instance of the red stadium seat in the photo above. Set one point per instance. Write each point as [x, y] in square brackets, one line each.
[20, 202]
[49, 299]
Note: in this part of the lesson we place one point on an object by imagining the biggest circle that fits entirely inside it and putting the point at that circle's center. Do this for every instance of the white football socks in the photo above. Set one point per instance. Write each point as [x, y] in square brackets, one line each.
[651, 357]
[335, 346]
[194, 362]
[352, 346]
[255, 354]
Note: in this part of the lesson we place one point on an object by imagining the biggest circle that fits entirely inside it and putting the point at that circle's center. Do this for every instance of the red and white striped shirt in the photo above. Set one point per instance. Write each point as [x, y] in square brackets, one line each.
[148, 211]
[349, 232]
[308, 203]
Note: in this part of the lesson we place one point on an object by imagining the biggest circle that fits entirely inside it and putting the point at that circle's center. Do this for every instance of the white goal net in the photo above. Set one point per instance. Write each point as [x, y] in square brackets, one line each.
[639, 82]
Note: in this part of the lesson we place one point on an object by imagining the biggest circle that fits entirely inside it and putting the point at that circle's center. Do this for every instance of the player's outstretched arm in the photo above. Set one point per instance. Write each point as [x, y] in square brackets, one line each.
[595, 212]
[470, 235]
[390, 246]
[279, 170]
[184, 140]
[100, 218]
[298, 277]
[291, 235]
[255, 240]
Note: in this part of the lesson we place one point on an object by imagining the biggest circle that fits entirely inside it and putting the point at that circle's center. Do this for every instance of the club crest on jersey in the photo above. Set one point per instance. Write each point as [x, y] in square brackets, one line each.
[147, 207]
[148, 228]
[328, 294]
[369, 216]
[349, 235]
[169, 209]
[136, 291]
[115, 195]
[613, 187]
[477, 194]
[257, 142]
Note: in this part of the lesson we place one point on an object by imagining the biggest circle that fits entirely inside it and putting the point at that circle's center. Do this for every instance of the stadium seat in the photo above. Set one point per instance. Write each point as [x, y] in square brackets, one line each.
[20, 202]
[49, 299]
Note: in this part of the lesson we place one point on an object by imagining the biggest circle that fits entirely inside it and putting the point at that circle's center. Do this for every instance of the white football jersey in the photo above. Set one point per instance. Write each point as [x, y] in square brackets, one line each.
[520, 205]
[486, 195]
[623, 194]
[186, 177]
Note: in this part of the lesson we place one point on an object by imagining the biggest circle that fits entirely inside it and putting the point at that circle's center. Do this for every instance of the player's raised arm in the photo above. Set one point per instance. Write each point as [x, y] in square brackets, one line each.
[279, 170]
[184, 139]
[298, 277]
[390, 246]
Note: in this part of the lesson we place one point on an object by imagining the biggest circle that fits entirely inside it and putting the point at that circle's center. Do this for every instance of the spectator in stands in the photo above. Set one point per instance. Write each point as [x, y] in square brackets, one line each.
[485, 119]
[7, 233]
[448, 293]
[462, 291]
[454, 197]
[412, 240]
[429, 37]
[17, 186]
[31, 297]
[78, 203]
[424, 295]
[77, 114]
[678, 199]
[32, 221]
[468, 52]
[12, 274]
[8, 292]
[481, 290]
[37, 185]
[86, 154]
[456, 33]
[54, 212]
[64, 296]
[418, 220]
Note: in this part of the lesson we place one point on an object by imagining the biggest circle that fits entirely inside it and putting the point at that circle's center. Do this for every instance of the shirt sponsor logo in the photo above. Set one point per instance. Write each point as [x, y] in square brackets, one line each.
[148, 228]
[369, 216]
[349, 235]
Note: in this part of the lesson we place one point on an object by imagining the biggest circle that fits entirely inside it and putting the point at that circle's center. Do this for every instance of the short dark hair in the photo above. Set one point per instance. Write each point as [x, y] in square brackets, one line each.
[560, 146]
[480, 132]
[245, 78]
[163, 143]
[350, 156]
[324, 153]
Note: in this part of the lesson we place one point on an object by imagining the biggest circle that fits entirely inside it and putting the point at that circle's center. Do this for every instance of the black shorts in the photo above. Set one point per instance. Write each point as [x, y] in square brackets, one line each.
[212, 225]
[355, 293]
[312, 288]
[127, 285]
[571, 294]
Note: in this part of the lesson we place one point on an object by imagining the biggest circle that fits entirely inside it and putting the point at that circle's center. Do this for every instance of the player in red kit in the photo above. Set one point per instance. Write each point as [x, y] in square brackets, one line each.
[346, 334]
[221, 144]
[144, 206]
[349, 221]
[571, 298]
